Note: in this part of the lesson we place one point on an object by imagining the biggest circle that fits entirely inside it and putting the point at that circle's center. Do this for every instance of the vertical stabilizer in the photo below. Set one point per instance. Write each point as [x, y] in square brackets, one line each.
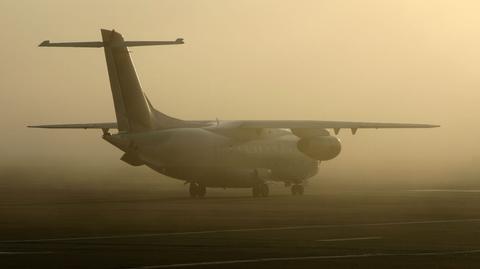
[131, 107]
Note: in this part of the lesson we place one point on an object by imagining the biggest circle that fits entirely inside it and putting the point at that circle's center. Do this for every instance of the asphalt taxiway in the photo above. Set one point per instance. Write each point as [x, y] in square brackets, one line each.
[165, 229]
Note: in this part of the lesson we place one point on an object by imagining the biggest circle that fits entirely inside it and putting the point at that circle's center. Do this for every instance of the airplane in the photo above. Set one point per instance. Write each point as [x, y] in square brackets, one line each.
[210, 153]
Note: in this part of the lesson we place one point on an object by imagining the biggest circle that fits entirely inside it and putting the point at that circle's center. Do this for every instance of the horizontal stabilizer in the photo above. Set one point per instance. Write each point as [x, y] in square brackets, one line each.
[99, 44]
[94, 44]
[104, 125]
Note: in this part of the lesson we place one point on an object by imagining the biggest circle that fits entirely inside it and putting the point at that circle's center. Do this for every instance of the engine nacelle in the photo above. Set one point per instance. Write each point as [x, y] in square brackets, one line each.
[320, 148]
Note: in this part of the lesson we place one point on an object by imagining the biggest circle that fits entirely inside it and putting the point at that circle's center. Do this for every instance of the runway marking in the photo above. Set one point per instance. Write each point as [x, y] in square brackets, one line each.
[445, 190]
[306, 258]
[281, 228]
[349, 239]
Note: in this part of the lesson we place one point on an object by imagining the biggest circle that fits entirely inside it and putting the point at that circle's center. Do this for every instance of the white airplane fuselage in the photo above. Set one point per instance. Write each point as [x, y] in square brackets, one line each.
[200, 155]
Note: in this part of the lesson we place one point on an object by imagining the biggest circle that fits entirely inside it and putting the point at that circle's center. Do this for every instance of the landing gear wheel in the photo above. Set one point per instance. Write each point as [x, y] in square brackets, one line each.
[197, 190]
[194, 189]
[297, 189]
[264, 190]
[201, 190]
[301, 189]
[255, 191]
[260, 190]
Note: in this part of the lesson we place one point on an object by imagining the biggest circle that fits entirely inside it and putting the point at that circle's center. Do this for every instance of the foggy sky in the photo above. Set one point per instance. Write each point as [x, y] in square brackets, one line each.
[387, 61]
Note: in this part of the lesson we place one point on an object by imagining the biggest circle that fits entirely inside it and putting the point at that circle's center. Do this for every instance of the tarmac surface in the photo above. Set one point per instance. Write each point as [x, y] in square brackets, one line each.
[230, 229]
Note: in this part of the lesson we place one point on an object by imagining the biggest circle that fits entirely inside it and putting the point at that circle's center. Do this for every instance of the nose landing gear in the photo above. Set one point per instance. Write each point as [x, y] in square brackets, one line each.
[197, 190]
[297, 189]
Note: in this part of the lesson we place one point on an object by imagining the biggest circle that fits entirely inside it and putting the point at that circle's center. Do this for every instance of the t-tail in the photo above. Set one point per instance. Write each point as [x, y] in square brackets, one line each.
[133, 110]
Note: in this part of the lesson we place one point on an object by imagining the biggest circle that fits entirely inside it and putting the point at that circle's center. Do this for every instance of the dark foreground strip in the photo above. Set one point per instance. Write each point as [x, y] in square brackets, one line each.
[25, 252]
[281, 228]
[306, 258]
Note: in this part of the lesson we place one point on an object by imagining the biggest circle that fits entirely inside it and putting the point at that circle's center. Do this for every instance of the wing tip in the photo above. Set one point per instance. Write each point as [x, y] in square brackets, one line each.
[44, 43]
[40, 126]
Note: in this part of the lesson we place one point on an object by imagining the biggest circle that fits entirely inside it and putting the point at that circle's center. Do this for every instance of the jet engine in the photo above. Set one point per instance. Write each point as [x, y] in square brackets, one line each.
[320, 148]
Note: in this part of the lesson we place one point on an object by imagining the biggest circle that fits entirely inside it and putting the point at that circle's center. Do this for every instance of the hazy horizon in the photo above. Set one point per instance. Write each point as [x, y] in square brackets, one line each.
[383, 61]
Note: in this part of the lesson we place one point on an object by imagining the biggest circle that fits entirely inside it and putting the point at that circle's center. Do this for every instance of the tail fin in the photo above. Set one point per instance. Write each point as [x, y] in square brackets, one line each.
[132, 108]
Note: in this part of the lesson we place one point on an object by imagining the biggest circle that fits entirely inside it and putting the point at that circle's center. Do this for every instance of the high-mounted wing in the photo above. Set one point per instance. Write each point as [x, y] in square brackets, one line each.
[311, 124]
[325, 124]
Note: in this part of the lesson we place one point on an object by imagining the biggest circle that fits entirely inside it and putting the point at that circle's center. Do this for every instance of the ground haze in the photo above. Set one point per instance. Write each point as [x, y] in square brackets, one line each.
[396, 198]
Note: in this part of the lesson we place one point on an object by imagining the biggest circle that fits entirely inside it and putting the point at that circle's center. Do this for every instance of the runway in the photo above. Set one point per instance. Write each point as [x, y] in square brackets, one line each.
[333, 229]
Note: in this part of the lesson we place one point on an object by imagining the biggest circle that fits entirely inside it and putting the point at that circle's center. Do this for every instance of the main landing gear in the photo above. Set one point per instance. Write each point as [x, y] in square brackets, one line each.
[297, 189]
[260, 190]
[197, 190]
